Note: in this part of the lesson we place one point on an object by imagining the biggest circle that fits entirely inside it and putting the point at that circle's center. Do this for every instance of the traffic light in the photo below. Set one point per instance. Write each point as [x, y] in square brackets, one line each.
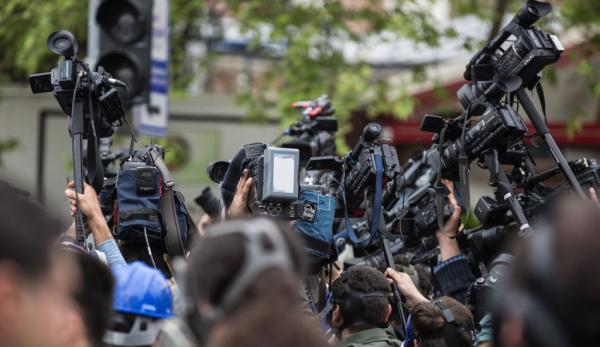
[124, 36]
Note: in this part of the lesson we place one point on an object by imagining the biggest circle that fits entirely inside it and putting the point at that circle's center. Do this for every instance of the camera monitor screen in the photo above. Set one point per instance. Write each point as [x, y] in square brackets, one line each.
[283, 169]
[280, 169]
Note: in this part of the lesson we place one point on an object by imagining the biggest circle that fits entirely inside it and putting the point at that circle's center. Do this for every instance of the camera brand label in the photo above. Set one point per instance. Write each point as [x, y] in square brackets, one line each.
[309, 211]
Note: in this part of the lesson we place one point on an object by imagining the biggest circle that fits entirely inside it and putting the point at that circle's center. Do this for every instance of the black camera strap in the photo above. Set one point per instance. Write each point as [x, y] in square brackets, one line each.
[440, 189]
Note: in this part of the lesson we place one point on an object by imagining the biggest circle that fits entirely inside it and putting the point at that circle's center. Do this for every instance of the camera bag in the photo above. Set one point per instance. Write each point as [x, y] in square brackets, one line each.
[147, 198]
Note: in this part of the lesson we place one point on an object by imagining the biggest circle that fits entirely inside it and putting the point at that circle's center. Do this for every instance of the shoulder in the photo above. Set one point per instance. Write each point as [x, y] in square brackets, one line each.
[371, 338]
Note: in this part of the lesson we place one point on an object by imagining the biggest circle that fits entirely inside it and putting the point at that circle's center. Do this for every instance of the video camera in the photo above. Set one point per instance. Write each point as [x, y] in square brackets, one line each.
[499, 128]
[274, 172]
[105, 97]
[95, 103]
[520, 49]
[315, 133]
[209, 203]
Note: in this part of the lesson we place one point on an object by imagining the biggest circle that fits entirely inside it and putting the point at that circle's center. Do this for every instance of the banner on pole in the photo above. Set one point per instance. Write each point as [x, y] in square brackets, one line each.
[153, 119]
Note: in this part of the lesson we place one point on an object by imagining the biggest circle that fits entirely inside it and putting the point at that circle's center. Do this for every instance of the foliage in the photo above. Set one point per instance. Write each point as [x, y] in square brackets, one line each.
[310, 30]
[7, 145]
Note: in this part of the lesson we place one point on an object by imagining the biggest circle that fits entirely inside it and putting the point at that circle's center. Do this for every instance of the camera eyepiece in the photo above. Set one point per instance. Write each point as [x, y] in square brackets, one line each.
[532, 12]
[63, 42]
[371, 132]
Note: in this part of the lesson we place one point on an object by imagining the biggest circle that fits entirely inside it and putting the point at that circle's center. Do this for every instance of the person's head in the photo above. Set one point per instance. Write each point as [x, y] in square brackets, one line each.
[551, 297]
[142, 299]
[92, 296]
[34, 291]
[442, 323]
[244, 282]
[361, 298]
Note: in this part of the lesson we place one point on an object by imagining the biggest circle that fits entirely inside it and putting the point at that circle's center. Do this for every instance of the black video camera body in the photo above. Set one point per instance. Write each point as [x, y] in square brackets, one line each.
[360, 169]
[520, 49]
[275, 173]
[424, 213]
[499, 128]
[315, 133]
[73, 78]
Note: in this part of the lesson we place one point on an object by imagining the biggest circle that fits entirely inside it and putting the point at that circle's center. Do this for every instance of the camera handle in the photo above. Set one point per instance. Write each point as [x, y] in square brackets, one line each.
[504, 189]
[543, 130]
[77, 134]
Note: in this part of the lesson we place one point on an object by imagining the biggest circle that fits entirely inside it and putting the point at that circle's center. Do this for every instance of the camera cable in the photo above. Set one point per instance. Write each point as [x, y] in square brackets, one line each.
[148, 248]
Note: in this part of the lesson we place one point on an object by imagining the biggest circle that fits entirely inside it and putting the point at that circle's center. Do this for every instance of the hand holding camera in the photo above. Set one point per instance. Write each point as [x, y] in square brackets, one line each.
[90, 207]
[239, 205]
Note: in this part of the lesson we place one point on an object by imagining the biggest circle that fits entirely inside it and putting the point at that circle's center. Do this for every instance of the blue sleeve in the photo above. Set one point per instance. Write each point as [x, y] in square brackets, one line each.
[454, 276]
[113, 254]
[486, 333]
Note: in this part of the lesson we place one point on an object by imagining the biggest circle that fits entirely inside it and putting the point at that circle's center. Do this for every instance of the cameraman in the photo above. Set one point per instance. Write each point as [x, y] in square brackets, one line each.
[243, 278]
[362, 308]
[443, 322]
[35, 289]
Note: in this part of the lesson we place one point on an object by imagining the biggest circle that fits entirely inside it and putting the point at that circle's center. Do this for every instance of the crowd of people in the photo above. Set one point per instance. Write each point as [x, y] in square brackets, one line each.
[245, 280]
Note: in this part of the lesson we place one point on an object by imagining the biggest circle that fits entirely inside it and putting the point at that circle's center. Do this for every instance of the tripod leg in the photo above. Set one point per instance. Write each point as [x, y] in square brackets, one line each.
[499, 180]
[543, 130]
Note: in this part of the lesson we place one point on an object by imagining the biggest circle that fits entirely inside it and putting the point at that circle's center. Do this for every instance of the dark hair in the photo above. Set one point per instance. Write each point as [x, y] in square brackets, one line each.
[567, 251]
[93, 295]
[269, 312]
[27, 233]
[427, 319]
[364, 279]
[221, 258]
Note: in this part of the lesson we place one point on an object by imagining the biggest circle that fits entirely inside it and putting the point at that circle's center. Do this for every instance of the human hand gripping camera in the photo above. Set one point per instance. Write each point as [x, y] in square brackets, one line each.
[90, 207]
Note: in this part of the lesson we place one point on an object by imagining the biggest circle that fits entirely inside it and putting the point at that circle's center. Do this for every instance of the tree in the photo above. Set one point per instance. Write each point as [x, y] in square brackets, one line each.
[311, 31]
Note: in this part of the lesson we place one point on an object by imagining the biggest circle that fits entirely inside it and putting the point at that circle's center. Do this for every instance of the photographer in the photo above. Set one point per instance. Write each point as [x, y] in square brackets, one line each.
[443, 322]
[362, 308]
[35, 288]
[243, 278]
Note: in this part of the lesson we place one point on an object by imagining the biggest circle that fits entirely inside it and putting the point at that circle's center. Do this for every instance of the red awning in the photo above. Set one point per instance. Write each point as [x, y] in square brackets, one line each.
[408, 132]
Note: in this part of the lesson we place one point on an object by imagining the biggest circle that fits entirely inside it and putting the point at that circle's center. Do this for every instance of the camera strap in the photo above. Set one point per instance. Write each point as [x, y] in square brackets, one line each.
[349, 233]
[377, 199]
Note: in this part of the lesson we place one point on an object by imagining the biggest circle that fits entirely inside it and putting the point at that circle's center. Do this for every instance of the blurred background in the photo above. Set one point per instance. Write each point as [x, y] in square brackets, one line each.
[210, 76]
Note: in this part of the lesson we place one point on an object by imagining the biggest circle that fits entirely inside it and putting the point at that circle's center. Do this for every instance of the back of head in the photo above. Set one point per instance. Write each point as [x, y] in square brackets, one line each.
[27, 233]
[554, 290]
[362, 293]
[265, 309]
[438, 329]
[142, 298]
[93, 295]
[216, 261]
